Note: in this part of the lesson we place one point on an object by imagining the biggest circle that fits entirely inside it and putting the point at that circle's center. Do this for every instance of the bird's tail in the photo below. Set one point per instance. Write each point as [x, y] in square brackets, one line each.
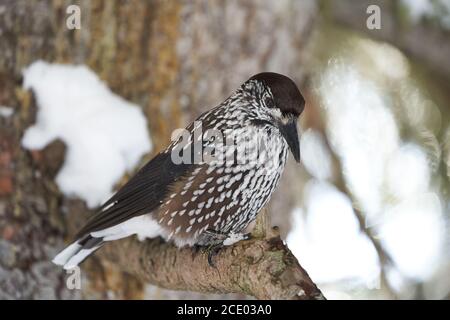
[76, 252]
[86, 244]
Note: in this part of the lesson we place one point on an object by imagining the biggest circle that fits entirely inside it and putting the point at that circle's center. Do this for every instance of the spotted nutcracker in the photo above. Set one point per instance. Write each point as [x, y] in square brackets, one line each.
[190, 200]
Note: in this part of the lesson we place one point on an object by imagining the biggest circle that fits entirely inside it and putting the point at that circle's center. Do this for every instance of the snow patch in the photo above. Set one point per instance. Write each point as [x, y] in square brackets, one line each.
[315, 155]
[328, 241]
[389, 179]
[105, 134]
[410, 161]
[414, 234]
[351, 101]
[6, 112]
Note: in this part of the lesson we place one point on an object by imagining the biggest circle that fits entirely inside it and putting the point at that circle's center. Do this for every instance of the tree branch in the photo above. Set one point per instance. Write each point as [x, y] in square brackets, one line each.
[263, 268]
[424, 41]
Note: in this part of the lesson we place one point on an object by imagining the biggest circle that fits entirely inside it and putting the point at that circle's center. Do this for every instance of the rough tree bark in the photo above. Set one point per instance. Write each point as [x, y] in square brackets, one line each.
[263, 268]
[174, 59]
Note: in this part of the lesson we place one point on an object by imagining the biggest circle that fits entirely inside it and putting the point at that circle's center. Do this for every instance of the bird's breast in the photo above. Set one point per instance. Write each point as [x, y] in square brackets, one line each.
[225, 193]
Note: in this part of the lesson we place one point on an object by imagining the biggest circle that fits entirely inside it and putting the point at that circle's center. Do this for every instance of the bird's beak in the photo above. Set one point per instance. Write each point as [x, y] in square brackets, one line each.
[290, 134]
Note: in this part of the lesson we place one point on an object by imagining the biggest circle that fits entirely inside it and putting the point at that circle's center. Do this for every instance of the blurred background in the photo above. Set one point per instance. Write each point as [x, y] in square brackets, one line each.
[90, 92]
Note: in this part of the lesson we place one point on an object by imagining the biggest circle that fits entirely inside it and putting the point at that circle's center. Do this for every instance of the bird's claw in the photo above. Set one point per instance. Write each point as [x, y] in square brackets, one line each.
[217, 241]
[212, 252]
[247, 236]
[195, 249]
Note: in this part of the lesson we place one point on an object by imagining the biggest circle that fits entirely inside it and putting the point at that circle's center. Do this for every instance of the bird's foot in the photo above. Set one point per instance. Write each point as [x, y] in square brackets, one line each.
[236, 237]
[195, 250]
[213, 241]
[212, 251]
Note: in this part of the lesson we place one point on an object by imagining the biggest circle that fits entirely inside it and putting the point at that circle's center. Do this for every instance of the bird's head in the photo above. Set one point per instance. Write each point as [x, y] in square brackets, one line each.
[282, 101]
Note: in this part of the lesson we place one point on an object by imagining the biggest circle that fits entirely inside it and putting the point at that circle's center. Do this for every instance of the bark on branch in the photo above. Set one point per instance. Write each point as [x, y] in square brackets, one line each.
[263, 268]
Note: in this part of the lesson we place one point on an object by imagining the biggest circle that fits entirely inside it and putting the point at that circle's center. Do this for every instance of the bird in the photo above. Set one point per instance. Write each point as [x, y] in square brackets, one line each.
[205, 199]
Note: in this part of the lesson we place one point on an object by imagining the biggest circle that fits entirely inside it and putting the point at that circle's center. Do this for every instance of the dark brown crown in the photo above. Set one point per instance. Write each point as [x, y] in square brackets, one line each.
[285, 92]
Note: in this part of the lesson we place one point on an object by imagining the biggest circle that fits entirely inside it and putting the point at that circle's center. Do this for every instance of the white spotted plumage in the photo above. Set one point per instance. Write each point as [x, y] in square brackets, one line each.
[206, 203]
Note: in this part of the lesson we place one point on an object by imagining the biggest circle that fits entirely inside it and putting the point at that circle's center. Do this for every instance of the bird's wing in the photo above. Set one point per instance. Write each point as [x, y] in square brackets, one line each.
[140, 195]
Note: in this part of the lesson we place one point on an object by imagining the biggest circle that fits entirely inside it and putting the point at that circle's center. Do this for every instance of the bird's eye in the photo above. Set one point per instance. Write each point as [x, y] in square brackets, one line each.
[269, 102]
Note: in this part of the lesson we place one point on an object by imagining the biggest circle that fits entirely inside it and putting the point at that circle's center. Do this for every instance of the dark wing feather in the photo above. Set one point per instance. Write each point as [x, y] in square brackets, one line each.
[143, 193]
